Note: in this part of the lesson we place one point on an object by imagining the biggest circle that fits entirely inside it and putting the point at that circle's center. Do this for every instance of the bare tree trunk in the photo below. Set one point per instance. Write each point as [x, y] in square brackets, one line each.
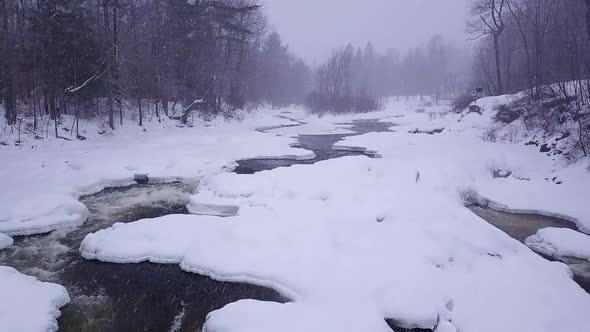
[525, 43]
[34, 95]
[137, 58]
[8, 85]
[109, 80]
[165, 104]
[54, 111]
[588, 34]
[157, 104]
[115, 63]
[500, 87]
[113, 87]
[110, 105]
[45, 99]
[140, 112]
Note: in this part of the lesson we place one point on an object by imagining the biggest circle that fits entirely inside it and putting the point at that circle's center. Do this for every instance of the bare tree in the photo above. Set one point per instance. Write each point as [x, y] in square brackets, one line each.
[489, 21]
[7, 71]
[520, 18]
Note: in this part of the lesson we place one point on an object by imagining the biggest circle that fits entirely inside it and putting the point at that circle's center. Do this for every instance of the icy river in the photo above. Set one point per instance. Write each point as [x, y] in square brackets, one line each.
[156, 297]
[145, 297]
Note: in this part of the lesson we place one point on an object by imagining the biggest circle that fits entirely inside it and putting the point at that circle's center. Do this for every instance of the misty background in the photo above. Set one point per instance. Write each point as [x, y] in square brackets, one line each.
[312, 28]
[181, 59]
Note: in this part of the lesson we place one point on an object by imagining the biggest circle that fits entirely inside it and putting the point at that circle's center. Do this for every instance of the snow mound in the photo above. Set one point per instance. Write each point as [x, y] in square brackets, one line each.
[49, 213]
[489, 104]
[255, 316]
[43, 179]
[5, 241]
[460, 158]
[315, 126]
[28, 305]
[427, 130]
[560, 242]
[212, 209]
[446, 327]
[302, 156]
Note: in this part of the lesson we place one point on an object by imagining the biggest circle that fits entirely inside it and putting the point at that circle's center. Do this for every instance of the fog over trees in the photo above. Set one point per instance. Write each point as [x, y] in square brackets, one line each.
[180, 58]
[352, 77]
[541, 47]
[295, 165]
[69, 56]
[525, 44]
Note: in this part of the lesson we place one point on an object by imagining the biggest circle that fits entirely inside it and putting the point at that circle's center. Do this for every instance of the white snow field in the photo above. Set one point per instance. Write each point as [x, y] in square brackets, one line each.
[560, 242]
[460, 157]
[46, 178]
[354, 241]
[314, 126]
[28, 305]
[42, 180]
[351, 241]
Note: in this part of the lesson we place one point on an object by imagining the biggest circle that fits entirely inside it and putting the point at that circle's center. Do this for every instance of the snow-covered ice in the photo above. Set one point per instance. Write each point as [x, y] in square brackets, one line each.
[560, 242]
[314, 126]
[28, 305]
[313, 234]
[459, 157]
[254, 316]
[5, 241]
[351, 241]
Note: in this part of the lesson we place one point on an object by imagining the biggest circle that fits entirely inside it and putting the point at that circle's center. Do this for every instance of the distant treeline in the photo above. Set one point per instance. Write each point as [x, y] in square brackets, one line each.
[353, 79]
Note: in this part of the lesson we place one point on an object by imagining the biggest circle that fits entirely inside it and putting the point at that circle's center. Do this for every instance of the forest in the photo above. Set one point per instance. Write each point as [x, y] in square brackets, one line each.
[541, 47]
[176, 58]
[101, 58]
[88, 58]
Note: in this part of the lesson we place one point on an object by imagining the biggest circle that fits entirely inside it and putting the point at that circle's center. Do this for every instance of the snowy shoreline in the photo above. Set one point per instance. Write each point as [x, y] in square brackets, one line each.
[495, 206]
[28, 304]
[67, 171]
[366, 239]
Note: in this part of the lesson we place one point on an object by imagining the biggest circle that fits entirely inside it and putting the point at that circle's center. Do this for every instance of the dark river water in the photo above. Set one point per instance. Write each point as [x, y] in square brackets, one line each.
[521, 226]
[321, 145]
[126, 297]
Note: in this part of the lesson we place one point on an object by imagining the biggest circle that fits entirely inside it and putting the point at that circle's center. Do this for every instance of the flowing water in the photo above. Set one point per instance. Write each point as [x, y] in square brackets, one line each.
[521, 226]
[126, 297]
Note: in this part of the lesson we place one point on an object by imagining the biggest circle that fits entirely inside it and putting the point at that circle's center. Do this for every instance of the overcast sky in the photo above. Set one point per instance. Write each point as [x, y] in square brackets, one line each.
[312, 28]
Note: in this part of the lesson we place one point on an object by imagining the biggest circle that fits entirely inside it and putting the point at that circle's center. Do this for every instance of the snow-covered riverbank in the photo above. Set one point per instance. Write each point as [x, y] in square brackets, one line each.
[41, 181]
[374, 239]
[352, 241]
[29, 305]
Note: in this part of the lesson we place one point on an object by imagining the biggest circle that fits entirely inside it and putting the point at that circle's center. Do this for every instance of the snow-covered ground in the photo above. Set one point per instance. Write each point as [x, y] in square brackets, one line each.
[352, 241]
[29, 305]
[461, 157]
[41, 181]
